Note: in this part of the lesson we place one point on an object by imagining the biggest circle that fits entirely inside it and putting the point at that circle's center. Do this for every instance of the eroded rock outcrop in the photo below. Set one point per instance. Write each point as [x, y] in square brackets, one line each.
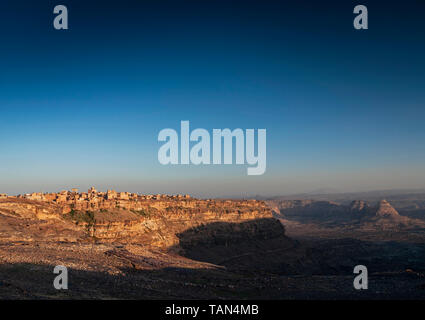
[359, 207]
[385, 209]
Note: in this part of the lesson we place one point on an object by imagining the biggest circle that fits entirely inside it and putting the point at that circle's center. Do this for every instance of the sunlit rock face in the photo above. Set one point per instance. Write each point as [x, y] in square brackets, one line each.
[385, 209]
[154, 222]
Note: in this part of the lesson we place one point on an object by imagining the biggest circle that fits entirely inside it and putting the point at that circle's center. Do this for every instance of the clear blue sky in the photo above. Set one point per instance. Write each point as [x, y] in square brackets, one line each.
[343, 109]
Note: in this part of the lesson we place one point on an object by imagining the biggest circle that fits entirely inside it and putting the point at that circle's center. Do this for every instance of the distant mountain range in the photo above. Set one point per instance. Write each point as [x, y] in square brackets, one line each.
[357, 215]
[375, 195]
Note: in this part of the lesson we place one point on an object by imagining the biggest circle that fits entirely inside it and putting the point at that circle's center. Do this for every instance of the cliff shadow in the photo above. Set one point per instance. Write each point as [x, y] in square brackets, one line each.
[28, 281]
[261, 246]
[255, 245]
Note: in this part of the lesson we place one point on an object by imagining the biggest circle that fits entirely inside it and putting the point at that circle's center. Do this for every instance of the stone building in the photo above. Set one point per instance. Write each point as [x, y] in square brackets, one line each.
[111, 194]
[123, 195]
[50, 196]
[61, 198]
[38, 196]
[92, 190]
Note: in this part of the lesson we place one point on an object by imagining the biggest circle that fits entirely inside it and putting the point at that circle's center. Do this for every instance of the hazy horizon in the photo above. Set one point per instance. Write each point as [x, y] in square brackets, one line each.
[313, 192]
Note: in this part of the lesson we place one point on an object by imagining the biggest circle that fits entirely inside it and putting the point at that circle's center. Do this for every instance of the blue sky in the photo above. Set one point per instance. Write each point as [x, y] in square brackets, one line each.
[343, 109]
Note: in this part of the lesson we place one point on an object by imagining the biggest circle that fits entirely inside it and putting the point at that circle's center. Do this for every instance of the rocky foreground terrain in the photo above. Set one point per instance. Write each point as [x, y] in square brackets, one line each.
[184, 248]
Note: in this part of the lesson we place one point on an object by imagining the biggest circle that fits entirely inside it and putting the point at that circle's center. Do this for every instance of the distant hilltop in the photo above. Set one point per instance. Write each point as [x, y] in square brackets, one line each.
[92, 195]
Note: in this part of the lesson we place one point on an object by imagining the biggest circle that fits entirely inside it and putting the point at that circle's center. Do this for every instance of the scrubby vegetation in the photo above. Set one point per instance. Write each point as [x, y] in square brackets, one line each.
[80, 216]
[174, 208]
[147, 212]
[87, 217]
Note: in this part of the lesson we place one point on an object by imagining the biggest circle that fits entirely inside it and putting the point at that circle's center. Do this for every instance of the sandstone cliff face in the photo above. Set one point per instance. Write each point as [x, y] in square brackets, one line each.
[24, 220]
[151, 222]
[385, 209]
[157, 223]
[28, 209]
[360, 207]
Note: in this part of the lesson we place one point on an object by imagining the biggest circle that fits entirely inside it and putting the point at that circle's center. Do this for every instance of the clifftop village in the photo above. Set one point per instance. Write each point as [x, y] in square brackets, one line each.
[92, 198]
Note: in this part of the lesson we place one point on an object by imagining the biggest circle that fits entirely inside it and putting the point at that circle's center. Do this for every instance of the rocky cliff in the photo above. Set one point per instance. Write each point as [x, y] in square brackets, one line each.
[360, 207]
[151, 222]
[385, 209]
